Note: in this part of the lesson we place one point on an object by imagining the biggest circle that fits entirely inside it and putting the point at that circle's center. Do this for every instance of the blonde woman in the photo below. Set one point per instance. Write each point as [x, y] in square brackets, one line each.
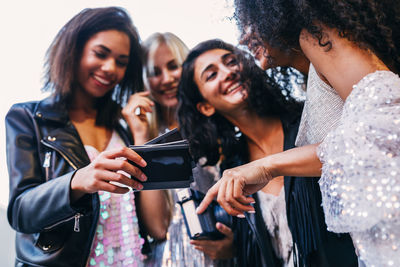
[153, 112]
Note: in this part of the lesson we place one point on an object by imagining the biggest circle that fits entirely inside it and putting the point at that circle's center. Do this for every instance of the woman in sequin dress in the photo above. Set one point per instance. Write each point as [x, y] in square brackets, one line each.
[354, 47]
[70, 196]
[315, 245]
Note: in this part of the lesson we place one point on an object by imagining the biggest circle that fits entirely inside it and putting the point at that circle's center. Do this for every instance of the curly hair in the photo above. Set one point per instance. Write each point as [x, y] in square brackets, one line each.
[274, 21]
[63, 57]
[370, 24]
[211, 137]
[262, 22]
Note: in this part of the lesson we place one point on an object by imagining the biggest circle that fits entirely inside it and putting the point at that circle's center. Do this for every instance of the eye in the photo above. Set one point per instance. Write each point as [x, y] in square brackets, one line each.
[211, 75]
[122, 63]
[172, 65]
[100, 54]
[156, 72]
[232, 62]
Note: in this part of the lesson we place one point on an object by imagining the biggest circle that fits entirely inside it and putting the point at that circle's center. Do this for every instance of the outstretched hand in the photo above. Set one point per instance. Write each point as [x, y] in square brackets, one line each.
[106, 168]
[236, 184]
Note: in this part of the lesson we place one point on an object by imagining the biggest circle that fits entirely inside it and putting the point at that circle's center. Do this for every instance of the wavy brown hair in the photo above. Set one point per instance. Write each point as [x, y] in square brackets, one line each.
[214, 136]
[63, 57]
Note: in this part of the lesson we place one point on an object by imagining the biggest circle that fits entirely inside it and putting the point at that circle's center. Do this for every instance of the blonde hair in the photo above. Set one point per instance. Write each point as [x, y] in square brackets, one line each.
[178, 49]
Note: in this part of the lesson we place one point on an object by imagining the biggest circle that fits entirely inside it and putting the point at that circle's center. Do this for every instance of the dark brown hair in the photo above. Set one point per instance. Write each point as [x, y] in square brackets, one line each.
[63, 57]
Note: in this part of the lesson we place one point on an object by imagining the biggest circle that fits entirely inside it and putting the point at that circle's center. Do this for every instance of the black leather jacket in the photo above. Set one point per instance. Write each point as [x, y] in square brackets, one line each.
[43, 152]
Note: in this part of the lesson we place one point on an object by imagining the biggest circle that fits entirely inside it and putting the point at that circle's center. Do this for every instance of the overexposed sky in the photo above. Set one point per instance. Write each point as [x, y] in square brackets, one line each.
[28, 27]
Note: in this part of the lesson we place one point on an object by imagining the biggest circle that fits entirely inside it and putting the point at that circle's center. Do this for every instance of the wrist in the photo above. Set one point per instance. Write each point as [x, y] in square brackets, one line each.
[140, 139]
[269, 167]
[75, 191]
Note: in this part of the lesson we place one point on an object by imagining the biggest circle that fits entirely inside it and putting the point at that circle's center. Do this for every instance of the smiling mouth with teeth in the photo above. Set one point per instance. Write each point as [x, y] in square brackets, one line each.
[101, 80]
[233, 88]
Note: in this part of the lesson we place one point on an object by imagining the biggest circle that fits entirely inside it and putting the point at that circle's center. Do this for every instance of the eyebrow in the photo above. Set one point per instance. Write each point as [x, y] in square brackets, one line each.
[108, 50]
[211, 65]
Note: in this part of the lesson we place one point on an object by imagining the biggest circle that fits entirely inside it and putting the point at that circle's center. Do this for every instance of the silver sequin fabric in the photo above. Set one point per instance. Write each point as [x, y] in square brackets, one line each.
[360, 180]
[321, 113]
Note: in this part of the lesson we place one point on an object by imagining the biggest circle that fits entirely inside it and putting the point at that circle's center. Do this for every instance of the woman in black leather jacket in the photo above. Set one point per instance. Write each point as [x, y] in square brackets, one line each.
[70, 201]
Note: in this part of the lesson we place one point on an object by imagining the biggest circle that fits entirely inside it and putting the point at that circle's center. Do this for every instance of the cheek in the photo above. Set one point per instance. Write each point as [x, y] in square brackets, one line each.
[177, 74]
[121, 75]
[207, 92]
[154, 84]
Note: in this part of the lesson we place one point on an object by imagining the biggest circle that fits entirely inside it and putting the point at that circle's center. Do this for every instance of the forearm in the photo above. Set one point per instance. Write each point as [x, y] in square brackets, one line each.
[299, 161]
[41, 206]
[155, 212]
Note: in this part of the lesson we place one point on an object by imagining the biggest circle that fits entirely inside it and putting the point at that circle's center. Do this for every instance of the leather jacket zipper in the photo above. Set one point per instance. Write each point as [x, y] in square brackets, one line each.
[46, 164]
[64, 155]
[76, 224]
[76, 217]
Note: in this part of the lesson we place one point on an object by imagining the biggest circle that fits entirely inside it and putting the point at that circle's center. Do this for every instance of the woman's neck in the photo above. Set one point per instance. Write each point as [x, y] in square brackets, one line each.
[264, 137]
[300, 62]
[83, 103]
[263, 132]
[344, 64]
[169, 117]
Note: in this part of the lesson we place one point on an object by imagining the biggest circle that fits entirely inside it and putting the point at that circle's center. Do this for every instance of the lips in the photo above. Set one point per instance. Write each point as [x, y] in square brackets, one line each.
[169, 92]
[233, 87]
[102, 81]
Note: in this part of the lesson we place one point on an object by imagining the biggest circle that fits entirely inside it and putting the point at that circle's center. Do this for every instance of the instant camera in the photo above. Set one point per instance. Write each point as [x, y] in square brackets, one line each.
[169, 163]
[201, 226]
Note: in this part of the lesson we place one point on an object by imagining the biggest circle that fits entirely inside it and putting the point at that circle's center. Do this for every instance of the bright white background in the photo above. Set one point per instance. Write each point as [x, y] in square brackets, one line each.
[28, 27]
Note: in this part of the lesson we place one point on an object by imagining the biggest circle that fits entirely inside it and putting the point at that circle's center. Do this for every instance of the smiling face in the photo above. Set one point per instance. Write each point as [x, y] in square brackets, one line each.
[216, 73]
[164, 78]
[104, 60]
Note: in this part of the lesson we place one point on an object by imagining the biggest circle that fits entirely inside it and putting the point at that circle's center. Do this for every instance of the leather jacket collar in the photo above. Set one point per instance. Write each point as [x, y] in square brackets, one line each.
[51, 109]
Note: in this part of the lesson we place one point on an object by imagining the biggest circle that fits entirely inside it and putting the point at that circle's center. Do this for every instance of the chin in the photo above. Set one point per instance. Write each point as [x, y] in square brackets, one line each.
[170, 103]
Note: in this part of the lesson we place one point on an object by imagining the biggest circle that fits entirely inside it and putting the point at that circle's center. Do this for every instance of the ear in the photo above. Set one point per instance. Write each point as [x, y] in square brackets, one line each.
[205, 108]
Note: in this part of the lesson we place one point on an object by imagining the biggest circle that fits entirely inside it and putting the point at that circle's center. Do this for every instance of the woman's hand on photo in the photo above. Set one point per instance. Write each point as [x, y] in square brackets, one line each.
[135, 115]
[232, 190]
[106, 168]
[217, 249]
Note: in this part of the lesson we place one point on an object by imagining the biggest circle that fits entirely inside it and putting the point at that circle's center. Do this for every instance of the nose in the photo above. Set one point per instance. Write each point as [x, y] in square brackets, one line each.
[109, 66]
[228, 74]
[167, 77]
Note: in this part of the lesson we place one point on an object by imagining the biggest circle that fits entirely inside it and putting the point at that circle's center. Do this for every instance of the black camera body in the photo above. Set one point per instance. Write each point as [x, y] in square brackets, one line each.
[201, 226]
[169, 163]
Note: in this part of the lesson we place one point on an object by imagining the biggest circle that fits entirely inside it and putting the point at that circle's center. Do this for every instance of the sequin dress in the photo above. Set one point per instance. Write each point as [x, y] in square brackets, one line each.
[117, 241]
[360, 180]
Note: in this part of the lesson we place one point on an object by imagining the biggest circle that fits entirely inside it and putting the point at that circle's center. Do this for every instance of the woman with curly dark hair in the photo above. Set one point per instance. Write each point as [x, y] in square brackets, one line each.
[218, 82]
[354, 47]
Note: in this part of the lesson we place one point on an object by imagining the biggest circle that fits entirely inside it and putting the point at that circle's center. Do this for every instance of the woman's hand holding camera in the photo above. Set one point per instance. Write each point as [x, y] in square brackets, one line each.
[217, 249]
[135, 115]
[105, 168]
